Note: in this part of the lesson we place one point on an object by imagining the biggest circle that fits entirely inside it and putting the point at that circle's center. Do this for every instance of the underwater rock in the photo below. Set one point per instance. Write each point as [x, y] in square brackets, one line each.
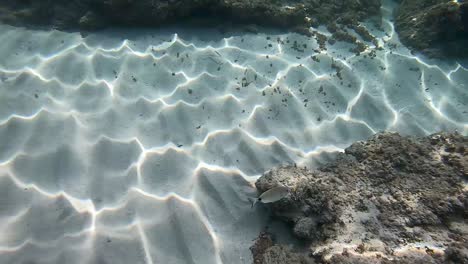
[94, 14]
[390, 199]
[437, 28]
[91, 21]
[266, 251]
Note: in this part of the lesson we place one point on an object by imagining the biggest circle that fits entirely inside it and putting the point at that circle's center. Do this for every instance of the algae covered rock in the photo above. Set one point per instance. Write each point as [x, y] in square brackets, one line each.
[93, 14]
[265, 251]
[435, 27]
[380, 200]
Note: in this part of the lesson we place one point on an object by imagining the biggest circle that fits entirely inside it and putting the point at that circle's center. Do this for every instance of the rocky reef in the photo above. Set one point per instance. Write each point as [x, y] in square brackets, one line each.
[94, 14]
[437, 28]
[390, 199]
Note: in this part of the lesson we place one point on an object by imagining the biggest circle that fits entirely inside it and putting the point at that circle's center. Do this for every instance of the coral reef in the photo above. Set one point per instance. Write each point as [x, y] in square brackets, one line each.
[391, 199]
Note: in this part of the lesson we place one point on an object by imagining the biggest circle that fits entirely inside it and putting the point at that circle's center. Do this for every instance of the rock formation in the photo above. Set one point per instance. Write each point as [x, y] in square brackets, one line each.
[437, 28]
[391, 199]
[93, 14]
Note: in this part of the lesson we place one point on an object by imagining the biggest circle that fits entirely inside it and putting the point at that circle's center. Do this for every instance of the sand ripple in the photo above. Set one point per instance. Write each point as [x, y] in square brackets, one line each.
[141, 147]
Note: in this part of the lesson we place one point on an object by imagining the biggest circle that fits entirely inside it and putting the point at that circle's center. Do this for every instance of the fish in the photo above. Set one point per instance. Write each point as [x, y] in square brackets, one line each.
[272, 195]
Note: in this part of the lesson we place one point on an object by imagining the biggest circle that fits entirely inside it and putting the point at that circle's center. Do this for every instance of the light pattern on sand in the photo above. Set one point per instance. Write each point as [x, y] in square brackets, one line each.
[142, 147]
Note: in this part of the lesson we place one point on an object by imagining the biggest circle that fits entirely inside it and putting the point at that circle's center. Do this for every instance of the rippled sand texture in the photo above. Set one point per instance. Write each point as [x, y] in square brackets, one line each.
[143, 148]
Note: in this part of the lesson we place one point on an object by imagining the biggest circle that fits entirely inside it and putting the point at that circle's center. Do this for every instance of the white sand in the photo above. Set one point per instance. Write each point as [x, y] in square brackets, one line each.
[96, 167]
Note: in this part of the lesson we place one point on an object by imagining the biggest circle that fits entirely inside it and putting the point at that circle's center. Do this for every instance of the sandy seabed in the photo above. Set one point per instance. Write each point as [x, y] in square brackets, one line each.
[142, 146]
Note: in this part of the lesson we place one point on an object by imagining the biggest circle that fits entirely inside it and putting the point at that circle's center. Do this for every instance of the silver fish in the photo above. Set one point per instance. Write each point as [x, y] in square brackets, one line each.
[272, 195]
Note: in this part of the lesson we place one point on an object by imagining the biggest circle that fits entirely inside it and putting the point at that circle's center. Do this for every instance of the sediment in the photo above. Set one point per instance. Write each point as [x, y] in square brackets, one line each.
[390, 199]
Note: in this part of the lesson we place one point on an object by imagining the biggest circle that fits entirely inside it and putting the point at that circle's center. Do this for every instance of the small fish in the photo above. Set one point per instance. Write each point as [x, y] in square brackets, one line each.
[272, 195]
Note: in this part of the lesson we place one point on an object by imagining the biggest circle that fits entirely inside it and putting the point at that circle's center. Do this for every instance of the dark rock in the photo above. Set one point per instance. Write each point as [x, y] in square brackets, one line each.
[379, 196]
[91, 21]
[279, 254]
[456, 253]
[415, 258]
[262, 243]
[437, 28]
[305, 228]
[265, 251]
[94, 14]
